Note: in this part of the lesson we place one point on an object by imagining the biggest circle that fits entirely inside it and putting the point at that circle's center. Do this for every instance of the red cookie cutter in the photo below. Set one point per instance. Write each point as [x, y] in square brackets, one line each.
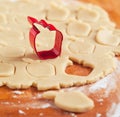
[34, 31]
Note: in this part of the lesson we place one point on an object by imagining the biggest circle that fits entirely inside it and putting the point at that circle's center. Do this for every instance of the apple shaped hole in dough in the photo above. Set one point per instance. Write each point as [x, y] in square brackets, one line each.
[57, 12]
[106, 37]
[12, 52]
[73, 101]
[40, 69]
[77, 28]
[78, 69]
[6, 70]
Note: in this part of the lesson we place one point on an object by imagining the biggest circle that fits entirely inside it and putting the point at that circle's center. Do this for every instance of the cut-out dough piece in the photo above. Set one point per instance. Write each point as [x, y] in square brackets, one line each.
[81, 47]
[45, 40]
[12, 52]
[49, 95]
[77, 28]
[88, 15]
[57, 13]
[106, 37]
[6, 70]
[41, 69]
[73, 101]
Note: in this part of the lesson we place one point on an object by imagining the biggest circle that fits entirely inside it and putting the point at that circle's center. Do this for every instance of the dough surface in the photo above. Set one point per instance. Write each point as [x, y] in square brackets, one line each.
[90, 39]
[85, 42]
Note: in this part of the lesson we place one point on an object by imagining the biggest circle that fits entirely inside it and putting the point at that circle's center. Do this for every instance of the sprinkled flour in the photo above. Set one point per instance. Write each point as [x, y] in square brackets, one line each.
[114, 111]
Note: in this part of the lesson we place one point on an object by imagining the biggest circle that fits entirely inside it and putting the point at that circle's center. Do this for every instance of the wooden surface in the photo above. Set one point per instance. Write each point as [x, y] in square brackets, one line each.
[8, 98]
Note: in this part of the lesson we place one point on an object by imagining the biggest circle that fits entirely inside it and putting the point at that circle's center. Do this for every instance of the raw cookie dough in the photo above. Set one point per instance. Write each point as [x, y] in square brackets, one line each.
[86, 41]
[37, 69]
[70, 101]
[106, 37]
[73, 101]
[6, 69]
[50, 95]
[90, 39]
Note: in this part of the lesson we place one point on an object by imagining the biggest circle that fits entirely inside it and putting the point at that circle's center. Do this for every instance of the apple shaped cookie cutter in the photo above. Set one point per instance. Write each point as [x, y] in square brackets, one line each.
[34, 31]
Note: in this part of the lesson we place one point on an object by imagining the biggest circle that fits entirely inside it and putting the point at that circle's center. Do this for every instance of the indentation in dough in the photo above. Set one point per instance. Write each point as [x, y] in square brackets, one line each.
[2, 43]
[12, 52]
[6, 70]
[45, 40]
[57, 12]
[27, 8]
[12, 36]
[77, 28]
[88, 15]
[3, 7]
[81, 47]
[41, 69]
[3, 19]
[21, 20]
[61, 25]
[28, 60]
[106, 37]
[73, 101]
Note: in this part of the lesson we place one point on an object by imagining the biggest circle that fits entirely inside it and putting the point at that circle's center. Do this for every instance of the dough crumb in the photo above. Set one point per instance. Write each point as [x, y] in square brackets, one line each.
[49, 94]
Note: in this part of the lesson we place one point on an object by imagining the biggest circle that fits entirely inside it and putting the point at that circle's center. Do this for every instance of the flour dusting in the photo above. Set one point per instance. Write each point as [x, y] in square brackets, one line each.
[114, 111]
[98, 115]
[21, 112]
[108, 83]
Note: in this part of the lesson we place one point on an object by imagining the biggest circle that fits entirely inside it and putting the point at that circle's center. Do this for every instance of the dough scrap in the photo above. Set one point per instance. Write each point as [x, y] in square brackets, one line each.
[73, 101]
[50, 95]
